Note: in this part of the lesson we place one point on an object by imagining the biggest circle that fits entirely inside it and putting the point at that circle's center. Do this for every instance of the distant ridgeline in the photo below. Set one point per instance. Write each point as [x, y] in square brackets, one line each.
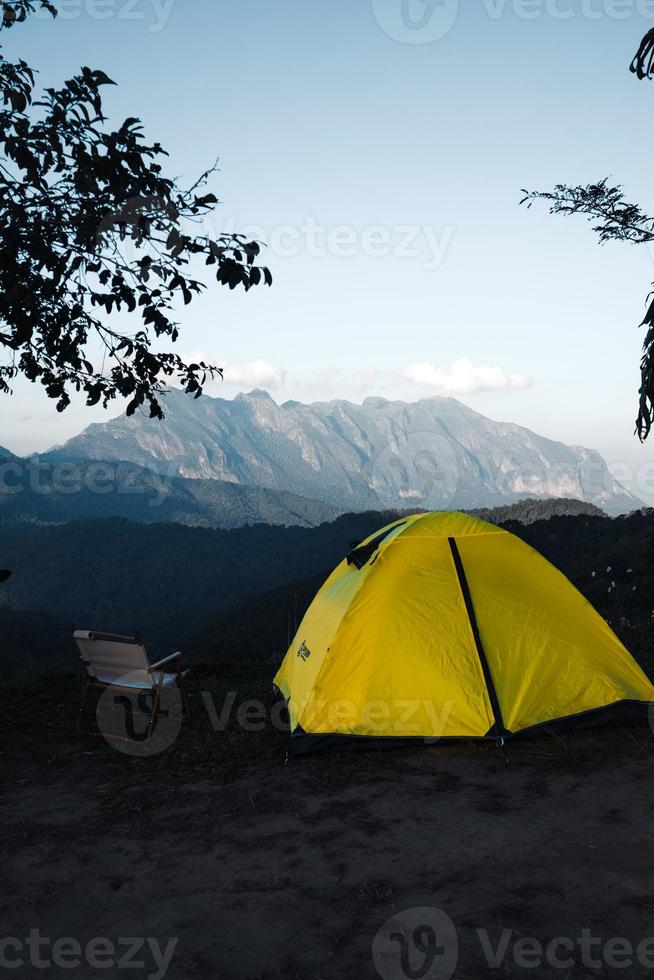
[40, 491]
[44, 491]
[528, 511]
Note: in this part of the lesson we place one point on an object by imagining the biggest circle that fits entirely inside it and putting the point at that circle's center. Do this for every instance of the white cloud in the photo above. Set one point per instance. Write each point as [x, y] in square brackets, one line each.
[254, 374]
[333, 382]
[464, 377]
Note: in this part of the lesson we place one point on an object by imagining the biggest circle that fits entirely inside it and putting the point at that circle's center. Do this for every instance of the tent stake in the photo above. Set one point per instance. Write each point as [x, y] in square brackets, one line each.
[501, 744]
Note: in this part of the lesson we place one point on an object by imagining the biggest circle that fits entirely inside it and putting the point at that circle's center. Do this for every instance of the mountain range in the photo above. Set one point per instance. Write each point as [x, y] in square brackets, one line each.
[430, 454]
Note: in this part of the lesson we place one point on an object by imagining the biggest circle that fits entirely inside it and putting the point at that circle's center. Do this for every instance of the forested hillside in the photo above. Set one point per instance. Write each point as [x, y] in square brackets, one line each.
[529, 511]
[164, 581]
[33, 492]
[225, 595]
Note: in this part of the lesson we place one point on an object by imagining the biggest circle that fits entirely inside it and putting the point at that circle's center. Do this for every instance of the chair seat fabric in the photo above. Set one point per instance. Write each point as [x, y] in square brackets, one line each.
[137, 684]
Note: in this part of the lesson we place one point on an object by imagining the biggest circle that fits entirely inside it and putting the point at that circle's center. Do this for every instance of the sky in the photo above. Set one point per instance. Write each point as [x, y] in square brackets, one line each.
[379, 148]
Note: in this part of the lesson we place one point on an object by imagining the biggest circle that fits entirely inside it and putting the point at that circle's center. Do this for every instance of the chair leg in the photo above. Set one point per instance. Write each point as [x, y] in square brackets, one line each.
[155, 709]
[85, 691]
[181, 686]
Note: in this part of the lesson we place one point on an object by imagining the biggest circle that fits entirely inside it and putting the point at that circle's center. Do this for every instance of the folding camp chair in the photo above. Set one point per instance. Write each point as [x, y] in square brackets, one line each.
[122, 663]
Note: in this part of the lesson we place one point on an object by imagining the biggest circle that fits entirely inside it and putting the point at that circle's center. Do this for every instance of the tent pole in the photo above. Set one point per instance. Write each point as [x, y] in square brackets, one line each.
[500, 728]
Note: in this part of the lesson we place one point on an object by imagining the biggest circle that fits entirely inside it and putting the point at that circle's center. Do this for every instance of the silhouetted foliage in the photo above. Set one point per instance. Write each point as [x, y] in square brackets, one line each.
[15, 11]
[530, 510]
[91, 232]
[643, 63]
[615, 219]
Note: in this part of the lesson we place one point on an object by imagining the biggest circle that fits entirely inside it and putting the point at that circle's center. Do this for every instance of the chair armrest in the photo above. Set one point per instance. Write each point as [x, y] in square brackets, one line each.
[162, 663]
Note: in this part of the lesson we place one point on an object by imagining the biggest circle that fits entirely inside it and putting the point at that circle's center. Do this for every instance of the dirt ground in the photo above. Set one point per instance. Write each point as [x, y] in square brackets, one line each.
[263, 870]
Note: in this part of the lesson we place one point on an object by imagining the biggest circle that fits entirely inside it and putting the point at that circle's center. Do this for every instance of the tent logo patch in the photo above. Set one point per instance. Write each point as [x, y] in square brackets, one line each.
[304, 652]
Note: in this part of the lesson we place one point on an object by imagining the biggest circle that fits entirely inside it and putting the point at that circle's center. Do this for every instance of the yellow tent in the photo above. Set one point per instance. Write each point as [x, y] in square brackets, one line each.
[441, 625]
